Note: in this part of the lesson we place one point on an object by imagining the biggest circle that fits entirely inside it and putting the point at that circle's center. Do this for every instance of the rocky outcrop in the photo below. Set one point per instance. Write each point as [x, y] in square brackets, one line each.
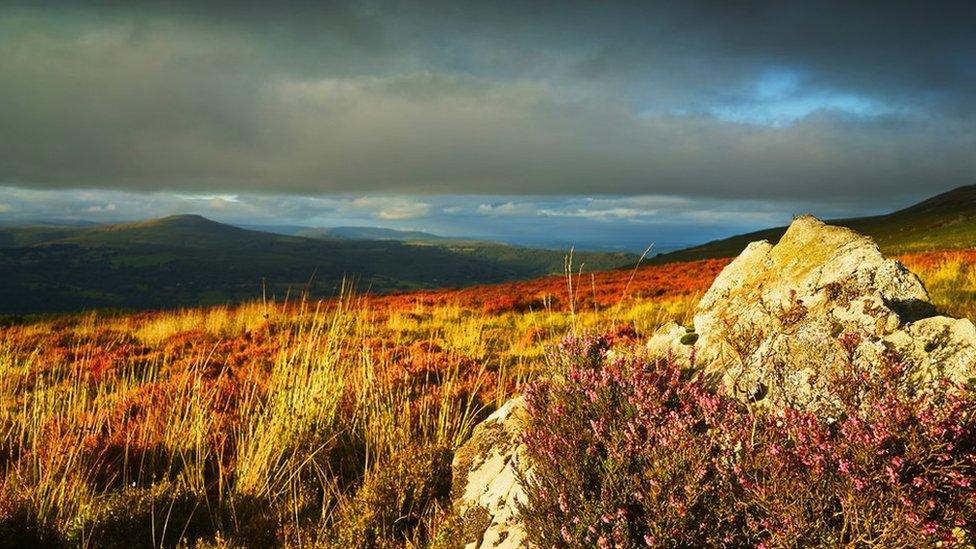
[769, 323]
[486, 486]
[768, 328]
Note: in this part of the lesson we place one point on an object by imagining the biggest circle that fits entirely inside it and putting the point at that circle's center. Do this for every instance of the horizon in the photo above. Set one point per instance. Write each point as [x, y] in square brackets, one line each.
[287, 227]
[506, 274]
[615, 125]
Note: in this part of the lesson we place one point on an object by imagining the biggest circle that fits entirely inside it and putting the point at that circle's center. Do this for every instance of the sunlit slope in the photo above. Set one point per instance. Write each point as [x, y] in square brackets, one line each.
[943, 222]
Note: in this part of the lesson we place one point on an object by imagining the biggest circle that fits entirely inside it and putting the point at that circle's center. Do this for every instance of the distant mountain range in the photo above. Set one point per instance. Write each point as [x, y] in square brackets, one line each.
[189, 260]
[349, 233]
[944, 222]
[542, 240]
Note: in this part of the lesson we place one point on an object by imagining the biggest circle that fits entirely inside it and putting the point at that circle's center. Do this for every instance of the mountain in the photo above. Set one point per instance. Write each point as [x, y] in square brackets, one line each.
[369, 233]
[945, 221]
[348, 233]
[189, 260]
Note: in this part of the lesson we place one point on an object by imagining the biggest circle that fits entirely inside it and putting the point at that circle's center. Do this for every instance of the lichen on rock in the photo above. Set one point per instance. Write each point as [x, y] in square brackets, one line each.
[770, 321]
[487, 480]
[769, 329]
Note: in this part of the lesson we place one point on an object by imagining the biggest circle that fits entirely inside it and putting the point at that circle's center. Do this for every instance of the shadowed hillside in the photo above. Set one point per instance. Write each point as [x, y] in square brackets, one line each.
[190, 260]
[367, 233]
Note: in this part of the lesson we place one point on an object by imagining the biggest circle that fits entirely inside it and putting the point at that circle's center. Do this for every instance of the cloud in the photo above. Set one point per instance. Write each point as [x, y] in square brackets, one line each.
[507, 209]
[392, 209]
[558, 221]
[98, 208]
[783, 101]
[405, 211]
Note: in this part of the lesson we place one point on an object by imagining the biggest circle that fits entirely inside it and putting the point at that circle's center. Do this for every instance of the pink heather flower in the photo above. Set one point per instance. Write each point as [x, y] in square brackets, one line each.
[641, 413]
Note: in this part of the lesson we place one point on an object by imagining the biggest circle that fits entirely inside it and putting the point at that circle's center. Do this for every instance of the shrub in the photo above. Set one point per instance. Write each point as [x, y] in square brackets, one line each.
[19, 524]
[162, 515]
[395, 499]
[629, 451]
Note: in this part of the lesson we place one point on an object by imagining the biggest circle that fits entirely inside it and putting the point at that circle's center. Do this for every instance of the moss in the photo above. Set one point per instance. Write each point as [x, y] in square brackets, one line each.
[449, 531]
[476, 520]
[161, 515]
[689, 339]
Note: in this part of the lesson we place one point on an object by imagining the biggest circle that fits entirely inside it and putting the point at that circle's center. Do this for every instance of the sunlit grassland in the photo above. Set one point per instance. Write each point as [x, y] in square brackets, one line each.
[950, 278]
[300, 424]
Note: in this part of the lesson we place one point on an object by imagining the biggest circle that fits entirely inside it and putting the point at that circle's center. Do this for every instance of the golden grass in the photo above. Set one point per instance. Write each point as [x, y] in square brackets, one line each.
[299, 424]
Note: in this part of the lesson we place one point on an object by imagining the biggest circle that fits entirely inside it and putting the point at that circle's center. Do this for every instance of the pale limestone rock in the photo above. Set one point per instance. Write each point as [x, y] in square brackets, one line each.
[667, 339]
[767, 326]
[486, 487]
[770, 321]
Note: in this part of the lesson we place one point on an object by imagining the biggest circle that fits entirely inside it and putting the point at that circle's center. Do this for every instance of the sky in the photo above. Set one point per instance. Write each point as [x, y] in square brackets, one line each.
[602, 124]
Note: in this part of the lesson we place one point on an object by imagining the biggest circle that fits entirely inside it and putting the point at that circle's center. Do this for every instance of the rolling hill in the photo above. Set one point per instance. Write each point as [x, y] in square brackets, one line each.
[369, 233]
[348, 233]
[190, 260]
[944, 222]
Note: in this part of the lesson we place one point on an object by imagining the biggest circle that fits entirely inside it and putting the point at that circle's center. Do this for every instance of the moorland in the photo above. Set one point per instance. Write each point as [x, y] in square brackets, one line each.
[323, 421]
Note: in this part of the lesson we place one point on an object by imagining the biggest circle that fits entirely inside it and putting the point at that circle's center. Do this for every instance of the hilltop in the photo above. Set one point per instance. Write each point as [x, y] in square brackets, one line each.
[188, 260]
[944, 222]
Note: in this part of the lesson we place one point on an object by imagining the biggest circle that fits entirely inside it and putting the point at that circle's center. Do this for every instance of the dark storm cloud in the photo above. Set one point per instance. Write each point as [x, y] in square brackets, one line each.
[787, 100]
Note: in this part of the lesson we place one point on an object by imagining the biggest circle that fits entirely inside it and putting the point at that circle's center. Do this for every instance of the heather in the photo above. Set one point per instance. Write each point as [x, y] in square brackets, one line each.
[333, 422]
[302, 423]
[633, 450]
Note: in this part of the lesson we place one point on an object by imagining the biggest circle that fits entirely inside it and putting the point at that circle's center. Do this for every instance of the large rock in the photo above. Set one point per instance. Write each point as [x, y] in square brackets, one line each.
[768, 327]
[486, 487]
[770, 321]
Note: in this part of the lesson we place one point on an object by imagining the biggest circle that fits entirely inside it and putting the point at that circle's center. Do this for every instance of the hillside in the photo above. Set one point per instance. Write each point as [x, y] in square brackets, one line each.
[191, 260]
[364, 403]
[944, 222]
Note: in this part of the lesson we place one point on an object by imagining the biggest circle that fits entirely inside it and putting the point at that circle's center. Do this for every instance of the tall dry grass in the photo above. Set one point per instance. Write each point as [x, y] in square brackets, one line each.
[297, 424]
[213, 446]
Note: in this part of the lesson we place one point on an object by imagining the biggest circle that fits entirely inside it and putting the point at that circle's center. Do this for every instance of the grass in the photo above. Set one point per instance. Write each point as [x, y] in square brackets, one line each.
[309, 423]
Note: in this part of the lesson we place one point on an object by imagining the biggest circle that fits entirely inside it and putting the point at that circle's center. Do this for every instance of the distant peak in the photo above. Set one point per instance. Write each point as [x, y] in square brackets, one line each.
[185, 218]
[185, 221]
